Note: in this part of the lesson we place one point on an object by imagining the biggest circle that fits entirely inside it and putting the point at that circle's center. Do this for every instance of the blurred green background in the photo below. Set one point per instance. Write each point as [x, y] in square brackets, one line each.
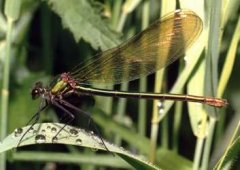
[50, 37]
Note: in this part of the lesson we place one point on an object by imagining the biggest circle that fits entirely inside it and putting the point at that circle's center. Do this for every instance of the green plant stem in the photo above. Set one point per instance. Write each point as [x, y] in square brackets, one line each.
[153, 141]
[127, 8]
[207, 147]
[211, 74]
[227, 69]
[176, 125]
[157, 88]
[155, 116]
[181, 80]
[108, 101]
[212, 52]
[121, 106]
[229, 61]
[165, 133]
[234, 136]
[122, 21]
[5, 88]
[142, 107]
[220, 129]
[198, 153]
[2, 23]
[177, 118]
[116, 13]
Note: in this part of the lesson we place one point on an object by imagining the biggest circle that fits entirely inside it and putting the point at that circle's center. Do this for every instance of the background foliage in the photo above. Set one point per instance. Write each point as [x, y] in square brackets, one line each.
[41, 39]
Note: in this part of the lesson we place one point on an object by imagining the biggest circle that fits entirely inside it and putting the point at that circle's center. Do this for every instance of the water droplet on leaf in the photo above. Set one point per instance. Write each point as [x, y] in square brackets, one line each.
[79, 141]
[40, 139]
[54, 139]
[53, 130]
[73, 132]
[18, 132]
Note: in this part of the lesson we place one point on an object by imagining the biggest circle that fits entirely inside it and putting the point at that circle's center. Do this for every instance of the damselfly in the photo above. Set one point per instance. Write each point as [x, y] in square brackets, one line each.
[154, 48]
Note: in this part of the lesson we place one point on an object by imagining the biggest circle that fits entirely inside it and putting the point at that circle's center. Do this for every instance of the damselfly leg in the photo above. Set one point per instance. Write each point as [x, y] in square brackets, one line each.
[36, 118]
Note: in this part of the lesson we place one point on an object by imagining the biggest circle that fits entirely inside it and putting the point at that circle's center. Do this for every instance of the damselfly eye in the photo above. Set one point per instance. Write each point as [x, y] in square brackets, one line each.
[35, 93]
[37, 90]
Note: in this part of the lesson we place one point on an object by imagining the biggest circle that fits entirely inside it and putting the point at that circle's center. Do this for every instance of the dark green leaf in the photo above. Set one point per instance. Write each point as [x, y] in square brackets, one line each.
[81, 19]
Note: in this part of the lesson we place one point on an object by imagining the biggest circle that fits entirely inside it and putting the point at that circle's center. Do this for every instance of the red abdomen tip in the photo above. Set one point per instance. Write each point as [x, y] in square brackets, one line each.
[216, 102]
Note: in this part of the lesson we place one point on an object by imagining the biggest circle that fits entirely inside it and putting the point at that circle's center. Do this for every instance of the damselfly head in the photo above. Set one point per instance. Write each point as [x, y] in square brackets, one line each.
[37, 90]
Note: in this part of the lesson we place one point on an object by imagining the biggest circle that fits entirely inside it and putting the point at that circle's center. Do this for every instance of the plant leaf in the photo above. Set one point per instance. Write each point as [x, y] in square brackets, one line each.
[44, 133]
[230, 157]
[167, 159]
[81, 19]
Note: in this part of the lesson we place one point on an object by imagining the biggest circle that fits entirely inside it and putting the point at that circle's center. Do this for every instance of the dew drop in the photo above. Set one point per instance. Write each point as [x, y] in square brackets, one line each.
[40, 139]
[43, 131]
[18, 132]
[48, 127]
[160, 108]
[161, 111]
[54, 139]
[73, 132]
[53, 130]
[160, 104]
[79, 141]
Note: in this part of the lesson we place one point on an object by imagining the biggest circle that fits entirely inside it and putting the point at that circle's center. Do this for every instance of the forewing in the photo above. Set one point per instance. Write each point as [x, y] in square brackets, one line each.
[154, 48]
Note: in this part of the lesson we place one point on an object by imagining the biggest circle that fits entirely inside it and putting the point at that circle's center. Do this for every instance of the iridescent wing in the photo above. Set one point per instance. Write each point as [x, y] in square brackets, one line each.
[152, 49]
